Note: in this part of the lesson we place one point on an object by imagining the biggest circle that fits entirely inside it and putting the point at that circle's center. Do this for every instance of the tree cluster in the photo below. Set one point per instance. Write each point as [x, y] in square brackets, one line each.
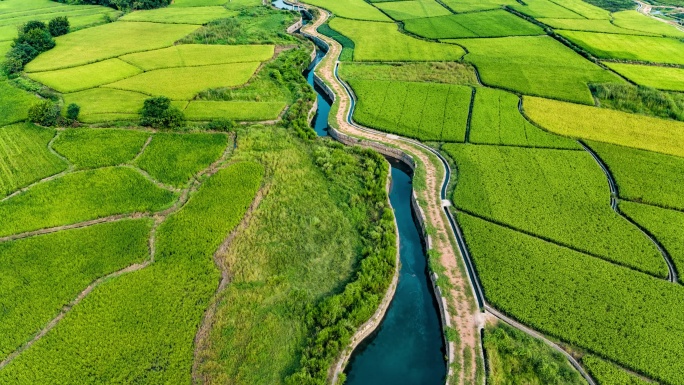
[34, 38]
[124, 5]
[159, 113]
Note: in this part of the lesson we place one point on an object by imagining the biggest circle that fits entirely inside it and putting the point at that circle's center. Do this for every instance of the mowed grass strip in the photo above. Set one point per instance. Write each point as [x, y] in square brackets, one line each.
[629, 47]
[90, 148]
[351, 9]
[404, 10]
[374, 41]
[425, 111]
[194, 15]
[634, 20]
[42, 274]
[82, 196]
[98, 101]
[24, 156]
[87, 76]
[535, 65]
[239, 111]
[664, 78]
[557, 195]
[141, 326]
[187, 55]
[497, 120]
[107, 41]
[477, 24]
[609, 126]
[176, 158]
[183, 83]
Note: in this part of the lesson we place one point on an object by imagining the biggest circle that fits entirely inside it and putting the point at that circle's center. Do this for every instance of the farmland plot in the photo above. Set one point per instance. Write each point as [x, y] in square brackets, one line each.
[496, 120]
[545, 8]
[14, 103]
[629, 47]
[235, 110]
[91, 148]
[87, 76]
[412, 9]
[558, 195]
[190, 55]
[591, 25]
[637, 21]
[593, 304]
[535, 66]
[476, 5]
[351, 9]
[584, 9]
[194, 15]
[100, 103]
[610, 374]
[451, 73]
[477, 24]
[664, 78]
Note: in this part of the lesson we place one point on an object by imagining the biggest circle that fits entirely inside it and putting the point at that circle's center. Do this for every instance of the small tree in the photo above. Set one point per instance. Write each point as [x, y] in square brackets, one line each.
[39, 39]
[221, 125]
[59, 26]
[45, 113]
[72, 111]
[33, 24]
[158, 113]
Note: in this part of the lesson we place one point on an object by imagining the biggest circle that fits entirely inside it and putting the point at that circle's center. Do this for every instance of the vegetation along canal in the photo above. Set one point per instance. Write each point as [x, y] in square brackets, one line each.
[407, 347]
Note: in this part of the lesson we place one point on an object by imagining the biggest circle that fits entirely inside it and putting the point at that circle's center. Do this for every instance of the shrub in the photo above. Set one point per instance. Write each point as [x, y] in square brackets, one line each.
[221, 125]
[33, 24]
[158, 113]
[39, 39]
[59, 26]
[72, 111]
[44, 113]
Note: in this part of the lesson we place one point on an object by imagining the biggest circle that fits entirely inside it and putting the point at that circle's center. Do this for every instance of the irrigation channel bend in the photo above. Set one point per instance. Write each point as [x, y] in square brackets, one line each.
[408, 346]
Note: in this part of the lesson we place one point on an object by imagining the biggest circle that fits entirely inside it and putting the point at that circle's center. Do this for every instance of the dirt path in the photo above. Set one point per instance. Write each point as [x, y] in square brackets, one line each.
[464, 315]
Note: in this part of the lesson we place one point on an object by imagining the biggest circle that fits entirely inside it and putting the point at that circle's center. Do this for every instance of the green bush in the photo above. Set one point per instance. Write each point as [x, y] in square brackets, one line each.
[72, 111]
[158, 113]
[122, 4]
[45, 113]
[33, 24]
[222, 125]
[39, 39]
[59, 26]
[33, 39]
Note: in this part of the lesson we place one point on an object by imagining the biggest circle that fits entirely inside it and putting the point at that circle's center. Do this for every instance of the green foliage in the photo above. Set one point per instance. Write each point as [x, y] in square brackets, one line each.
[224, 125]
[33, 24]
[158, 113]
[596, 305]
[59, 26]
[45, 112]
[72, 111]
[640, 100]
[478, 24]
[43, 274]
[82, 196]
[92, 148]
[122, 4]
[607, 373]
[33, 39]
[25, 157]
[39, 39]
[553, 194]
[176, 158]
[347, 44]
[516, 358]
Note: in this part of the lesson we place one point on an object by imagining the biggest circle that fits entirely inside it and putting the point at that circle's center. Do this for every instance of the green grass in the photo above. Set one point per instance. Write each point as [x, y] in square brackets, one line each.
[107, 41]
[42, 274]
[183, 15]
[237, 110]
[584, 8]
[351, 9]
[644, 176]
[477, 24]
[374, 41]
[24, 157]
[476, 5]
[90, 148]
[629, 47]
[80, 197]
[176, 158]
[87, 76]
[591, 25]
[496, 120]
[634, 20]
[189, 55]
[423, 111]
[535, 66]
[141, 326]
[554, 194]
[449, 72]
[14, 103]
[623, 315]
[609, 126]
[664, 78]
[98, 101]
[411, 9]
[545, 8]
[183, 83]
[513, 357]
[665, 225]
[109, 118]
[607, 373]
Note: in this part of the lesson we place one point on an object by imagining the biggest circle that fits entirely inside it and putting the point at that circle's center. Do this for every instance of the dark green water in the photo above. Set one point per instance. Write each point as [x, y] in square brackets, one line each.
[408, 347]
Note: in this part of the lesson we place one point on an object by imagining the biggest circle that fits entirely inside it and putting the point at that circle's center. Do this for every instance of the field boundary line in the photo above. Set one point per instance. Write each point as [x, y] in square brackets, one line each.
[142, 149]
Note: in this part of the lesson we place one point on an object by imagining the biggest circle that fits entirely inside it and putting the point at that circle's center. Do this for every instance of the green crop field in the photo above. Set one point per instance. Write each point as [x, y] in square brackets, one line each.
[609, 126]
[14, 103]
[451, 73]
[636, 21]
[24, 157]
[535, 66]
[43, 274]
[591, 25]
[189, 55]
[375, 41]
[664, 78]
[80, 197]
[198, 3]
[554, 194]
[629, 47]
[608, 373]
[98, 102]
[99, 148]
[412, 9]
[496, 120]
[477, 24]
[607, 309]
[239, 111]
[107, 41]
[583, 8]
[546, 8]
[183, 15]
[352, 9]
[176, 158]
[644, 176]
[418, 110]
[476, 5]
[88, 76]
